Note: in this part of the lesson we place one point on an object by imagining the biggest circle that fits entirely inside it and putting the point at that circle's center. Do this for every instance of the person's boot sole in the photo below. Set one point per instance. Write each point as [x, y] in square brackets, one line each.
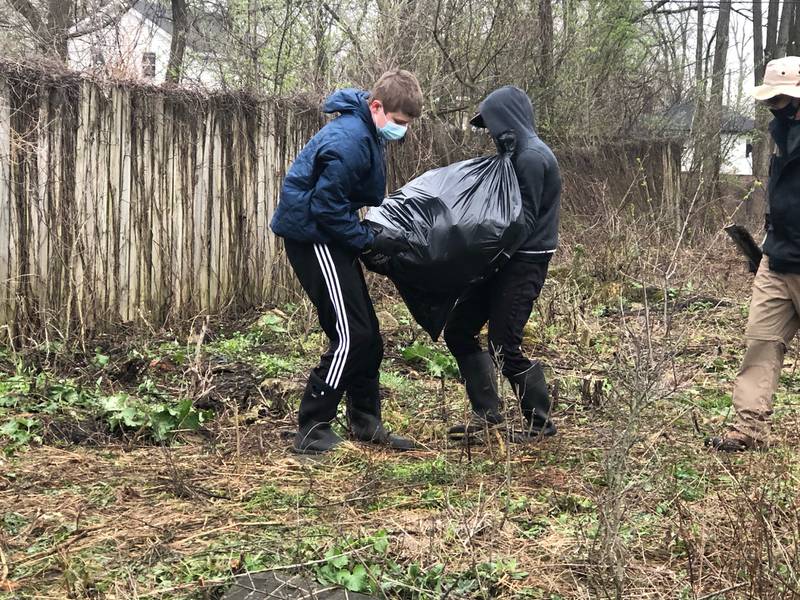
[382, 444]
[524, 438]
[459, 432]
[716, 444]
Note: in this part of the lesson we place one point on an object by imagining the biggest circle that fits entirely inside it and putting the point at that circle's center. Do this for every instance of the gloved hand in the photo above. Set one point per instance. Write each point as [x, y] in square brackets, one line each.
[376, 262]
[383, 242]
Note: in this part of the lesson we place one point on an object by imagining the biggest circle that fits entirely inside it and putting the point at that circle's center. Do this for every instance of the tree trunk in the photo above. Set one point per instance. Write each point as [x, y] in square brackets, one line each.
[760, 140]
[180, 31]
[772, 30]
[59, 19]
[758, 43]
[713, 161]
[783, 32]
[321, 54]
[545, 57]
[794, 32]
[698, 116]
[698, 51]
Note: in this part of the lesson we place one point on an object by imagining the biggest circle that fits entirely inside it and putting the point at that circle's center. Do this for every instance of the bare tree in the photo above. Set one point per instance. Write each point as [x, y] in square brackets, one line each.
[50, 24]
[760, 54]
[787, 16]
[758, 42]
[714, 113]
[546, 56]
[773, 18]
[180, 32]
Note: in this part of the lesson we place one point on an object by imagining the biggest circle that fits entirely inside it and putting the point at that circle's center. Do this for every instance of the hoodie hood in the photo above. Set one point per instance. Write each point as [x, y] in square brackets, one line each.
[351, 101]
[506, 109]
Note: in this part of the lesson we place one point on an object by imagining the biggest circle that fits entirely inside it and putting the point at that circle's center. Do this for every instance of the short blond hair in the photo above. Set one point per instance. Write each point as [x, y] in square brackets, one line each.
[398, 90]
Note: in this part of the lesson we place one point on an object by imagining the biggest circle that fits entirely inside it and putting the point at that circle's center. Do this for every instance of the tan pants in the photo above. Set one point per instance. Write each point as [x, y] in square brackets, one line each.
[774, 319]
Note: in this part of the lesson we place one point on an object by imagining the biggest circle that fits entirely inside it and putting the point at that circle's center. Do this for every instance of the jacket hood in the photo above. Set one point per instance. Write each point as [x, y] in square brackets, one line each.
[349, 101]
[508, 109]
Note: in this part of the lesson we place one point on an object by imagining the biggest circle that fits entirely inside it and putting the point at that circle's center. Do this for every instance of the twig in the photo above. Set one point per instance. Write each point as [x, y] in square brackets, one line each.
[723, 591]
[4, 563]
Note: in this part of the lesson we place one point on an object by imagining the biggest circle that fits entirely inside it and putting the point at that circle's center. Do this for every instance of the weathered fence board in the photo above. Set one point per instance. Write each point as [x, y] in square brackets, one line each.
[124, 203]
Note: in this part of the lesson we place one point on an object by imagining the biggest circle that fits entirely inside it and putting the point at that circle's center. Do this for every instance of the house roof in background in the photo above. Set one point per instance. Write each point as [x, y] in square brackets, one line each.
[680, 117]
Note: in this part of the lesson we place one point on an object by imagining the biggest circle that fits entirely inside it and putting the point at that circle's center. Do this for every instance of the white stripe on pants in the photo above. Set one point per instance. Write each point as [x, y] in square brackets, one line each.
[342, 328]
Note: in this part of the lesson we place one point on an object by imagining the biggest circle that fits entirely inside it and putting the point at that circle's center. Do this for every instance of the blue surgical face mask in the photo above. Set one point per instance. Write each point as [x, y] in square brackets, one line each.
[392, 131]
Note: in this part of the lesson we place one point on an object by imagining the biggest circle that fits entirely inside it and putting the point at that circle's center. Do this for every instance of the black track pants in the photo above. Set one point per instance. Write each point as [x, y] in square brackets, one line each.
[505, 301]
[333, 279]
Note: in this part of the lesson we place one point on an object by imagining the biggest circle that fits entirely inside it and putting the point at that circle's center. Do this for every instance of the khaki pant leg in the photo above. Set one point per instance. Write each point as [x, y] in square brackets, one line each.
[772, 324]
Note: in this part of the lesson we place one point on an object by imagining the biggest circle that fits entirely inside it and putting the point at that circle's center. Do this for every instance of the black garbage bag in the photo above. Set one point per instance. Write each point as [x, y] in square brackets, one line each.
[462, 223]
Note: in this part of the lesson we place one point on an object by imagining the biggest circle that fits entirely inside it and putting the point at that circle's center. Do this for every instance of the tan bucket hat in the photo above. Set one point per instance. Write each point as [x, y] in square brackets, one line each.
[782, 77]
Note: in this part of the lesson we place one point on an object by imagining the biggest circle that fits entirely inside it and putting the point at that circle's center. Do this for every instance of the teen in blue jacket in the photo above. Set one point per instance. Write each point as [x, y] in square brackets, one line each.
[339, 171]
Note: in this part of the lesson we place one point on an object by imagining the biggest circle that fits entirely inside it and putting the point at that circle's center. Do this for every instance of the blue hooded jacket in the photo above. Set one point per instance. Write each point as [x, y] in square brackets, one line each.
[340, 170]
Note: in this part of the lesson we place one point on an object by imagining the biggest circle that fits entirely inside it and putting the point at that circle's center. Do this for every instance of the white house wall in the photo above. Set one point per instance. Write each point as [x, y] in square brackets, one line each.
[123, 47]
[736, 160]
[734, 156]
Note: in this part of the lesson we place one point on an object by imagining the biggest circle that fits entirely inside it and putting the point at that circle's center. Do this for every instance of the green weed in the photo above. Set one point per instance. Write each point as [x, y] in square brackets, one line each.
[355, 564]
[19, 432]
[269, 497]
[397, 383]
[237, 347]
[716, 401]
[12, 523]
[160, 419]
[690, 482]
[269, 324]
[436, 363]
[151, 411]
[432, 472]
[271, 365]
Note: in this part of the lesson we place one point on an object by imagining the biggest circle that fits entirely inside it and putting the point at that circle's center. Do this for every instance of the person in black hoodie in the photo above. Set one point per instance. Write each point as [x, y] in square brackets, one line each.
[506, 299]
[775, 306]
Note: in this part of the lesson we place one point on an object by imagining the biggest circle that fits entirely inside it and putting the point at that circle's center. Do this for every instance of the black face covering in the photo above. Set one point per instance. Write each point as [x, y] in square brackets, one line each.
[788, 112]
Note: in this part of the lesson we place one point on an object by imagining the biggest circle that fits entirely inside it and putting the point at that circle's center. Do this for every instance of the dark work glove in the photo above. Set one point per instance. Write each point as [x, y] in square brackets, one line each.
[384, 242]
[506, 142]
[376, 262]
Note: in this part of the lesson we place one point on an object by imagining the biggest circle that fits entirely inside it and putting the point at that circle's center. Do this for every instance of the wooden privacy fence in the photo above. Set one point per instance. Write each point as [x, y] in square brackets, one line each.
[122, 202]
[125, 202]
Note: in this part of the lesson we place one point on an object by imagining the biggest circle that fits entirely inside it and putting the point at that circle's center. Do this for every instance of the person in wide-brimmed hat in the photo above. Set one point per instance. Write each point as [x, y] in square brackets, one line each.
[775, 307]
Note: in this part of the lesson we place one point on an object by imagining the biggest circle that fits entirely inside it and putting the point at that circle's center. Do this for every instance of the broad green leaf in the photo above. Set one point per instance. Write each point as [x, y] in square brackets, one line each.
[358, 580]
[162, 423]
[339, 562]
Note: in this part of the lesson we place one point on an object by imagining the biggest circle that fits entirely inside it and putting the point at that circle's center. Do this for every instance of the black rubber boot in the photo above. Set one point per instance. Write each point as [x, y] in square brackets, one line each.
[734, 441]
[480, 378]
[534, 400]
[364, 417]
[317, 410]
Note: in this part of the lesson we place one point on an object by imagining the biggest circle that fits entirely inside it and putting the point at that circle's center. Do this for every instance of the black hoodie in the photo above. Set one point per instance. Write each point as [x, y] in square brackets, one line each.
[783, 220]
[509, 109]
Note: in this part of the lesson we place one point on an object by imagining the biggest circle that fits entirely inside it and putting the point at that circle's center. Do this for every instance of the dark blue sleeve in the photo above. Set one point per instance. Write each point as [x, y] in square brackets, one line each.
[330, 201]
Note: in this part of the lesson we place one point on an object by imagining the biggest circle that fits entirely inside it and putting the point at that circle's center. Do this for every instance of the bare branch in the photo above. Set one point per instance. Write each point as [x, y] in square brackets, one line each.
[27, 10]
[649, 10]
[344, 27]
[107, 16]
